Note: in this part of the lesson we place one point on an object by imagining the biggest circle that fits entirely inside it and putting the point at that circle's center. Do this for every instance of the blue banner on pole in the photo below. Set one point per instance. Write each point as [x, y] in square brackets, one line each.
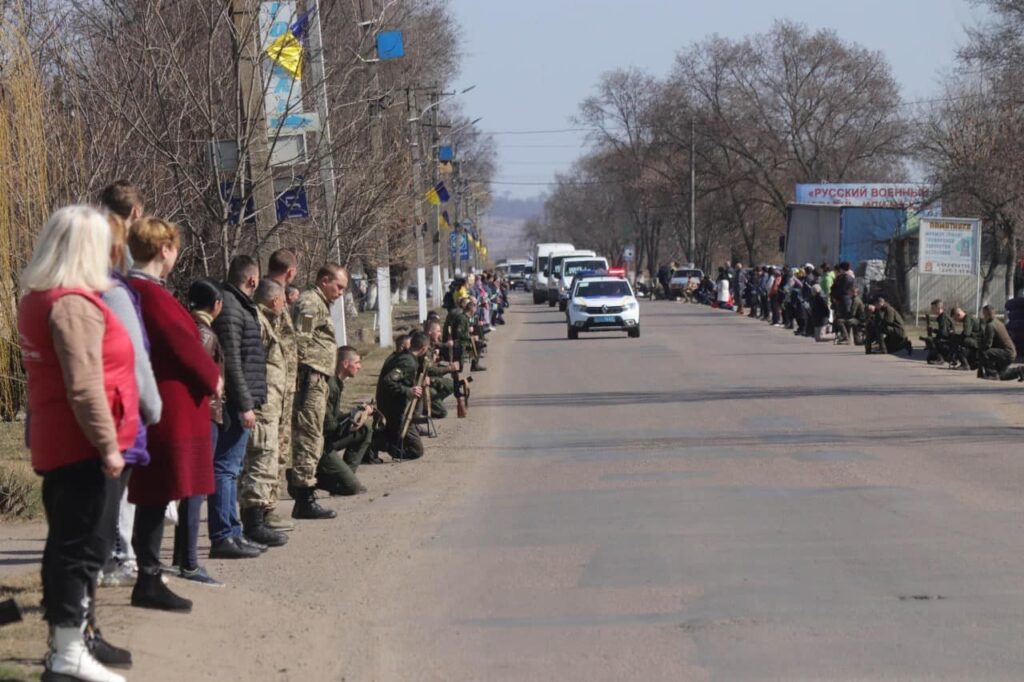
[293, 204]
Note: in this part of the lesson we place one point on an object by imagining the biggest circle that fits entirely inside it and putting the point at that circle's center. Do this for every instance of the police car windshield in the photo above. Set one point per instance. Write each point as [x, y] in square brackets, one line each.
[574, 266]
[593, 289]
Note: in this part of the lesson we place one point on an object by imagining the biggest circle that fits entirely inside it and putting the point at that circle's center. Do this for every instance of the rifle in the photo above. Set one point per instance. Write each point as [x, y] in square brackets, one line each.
[412, 405]
[461, 385]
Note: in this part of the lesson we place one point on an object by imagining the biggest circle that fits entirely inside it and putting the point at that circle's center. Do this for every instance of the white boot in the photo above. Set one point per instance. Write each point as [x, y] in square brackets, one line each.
[70, 657]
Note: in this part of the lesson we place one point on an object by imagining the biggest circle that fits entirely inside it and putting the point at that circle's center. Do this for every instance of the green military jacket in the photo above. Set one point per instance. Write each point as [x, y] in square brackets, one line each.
[336, 421]
[314, 332]
[435, 369]
[943, 326]
[994, 335]
[457, 328]
[971, 330]
[857, 311]
[889, 320]
[397, 378]
[277, 370]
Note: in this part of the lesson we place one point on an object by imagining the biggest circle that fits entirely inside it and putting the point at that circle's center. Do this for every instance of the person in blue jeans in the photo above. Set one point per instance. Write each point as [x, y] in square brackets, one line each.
[245, 389]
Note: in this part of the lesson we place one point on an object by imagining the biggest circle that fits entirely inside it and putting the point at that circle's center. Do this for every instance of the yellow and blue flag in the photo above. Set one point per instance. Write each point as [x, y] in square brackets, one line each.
[286, 51]
[445, 222]
[432, 197]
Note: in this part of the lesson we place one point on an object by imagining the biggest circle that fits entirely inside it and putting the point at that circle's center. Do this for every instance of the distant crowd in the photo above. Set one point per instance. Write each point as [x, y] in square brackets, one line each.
[824, 303]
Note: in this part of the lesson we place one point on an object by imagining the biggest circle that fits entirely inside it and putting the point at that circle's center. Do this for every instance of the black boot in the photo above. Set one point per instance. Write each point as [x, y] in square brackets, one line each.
[151, 593]
[232, 548]
[289, 478]
[477, 367]
[255, 528]
[105, 652]
[306, 506]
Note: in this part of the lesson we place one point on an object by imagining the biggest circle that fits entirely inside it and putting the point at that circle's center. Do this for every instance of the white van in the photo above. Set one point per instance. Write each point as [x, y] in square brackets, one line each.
[541, 255]
[554, 277]
[574, 266]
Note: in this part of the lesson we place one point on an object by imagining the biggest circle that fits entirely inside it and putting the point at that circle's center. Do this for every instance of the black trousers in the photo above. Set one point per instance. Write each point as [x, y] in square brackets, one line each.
[186, 534]
[81, 512]
[147, 536]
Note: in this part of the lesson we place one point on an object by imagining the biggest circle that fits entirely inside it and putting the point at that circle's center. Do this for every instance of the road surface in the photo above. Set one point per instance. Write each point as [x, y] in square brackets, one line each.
[716, 500]
[719, 500]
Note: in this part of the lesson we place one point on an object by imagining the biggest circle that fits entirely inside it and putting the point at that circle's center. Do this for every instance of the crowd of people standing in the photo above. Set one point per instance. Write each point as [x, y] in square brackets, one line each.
[141, 406]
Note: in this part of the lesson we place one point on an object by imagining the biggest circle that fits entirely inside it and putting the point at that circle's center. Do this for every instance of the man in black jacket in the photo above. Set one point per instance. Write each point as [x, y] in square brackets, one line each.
[245, 389]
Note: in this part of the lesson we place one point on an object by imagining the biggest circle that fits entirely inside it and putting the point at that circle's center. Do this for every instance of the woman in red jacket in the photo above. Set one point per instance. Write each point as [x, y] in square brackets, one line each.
[181, 460]
[83, 413]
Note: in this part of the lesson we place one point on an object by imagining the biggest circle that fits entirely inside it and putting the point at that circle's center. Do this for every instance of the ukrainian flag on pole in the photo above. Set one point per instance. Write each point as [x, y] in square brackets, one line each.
[286, 50]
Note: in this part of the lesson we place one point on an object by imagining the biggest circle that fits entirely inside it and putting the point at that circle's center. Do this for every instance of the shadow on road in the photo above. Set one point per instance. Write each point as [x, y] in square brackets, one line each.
[775, 393]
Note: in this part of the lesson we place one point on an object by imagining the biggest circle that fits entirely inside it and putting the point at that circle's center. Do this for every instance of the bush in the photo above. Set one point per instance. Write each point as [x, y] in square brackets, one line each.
[19, 492]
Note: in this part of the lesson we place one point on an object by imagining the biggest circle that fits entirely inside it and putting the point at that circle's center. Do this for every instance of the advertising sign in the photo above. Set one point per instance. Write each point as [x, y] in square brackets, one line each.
[880, 195]
[949, 246]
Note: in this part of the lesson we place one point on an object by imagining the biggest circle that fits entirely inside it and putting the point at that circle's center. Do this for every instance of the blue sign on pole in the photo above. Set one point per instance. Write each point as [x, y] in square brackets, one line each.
[235, 205]
[463, 247]
[453, 244]
[390, 45]
[293, 204]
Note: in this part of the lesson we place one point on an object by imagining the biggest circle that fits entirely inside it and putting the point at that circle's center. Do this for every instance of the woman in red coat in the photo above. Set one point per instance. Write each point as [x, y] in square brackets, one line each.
[181, 463]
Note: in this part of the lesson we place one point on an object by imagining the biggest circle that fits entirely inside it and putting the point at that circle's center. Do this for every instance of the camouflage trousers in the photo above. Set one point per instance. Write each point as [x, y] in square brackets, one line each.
[440, 388]
[284, 450]
[308, 426]
[261, 468]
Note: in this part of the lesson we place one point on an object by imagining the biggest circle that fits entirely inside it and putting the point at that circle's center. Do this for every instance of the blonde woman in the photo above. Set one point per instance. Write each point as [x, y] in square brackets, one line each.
[83, 413]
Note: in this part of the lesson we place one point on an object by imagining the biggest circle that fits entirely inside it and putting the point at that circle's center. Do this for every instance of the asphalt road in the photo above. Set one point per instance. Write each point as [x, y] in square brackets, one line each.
[719, 500]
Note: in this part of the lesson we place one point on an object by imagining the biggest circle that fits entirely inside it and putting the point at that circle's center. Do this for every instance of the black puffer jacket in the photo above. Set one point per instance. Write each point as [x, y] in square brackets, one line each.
[245, 362]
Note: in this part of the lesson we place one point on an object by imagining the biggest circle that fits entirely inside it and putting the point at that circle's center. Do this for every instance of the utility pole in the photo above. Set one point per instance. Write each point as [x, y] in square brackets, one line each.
[368, 12]
[417, 203]
[693, 193]
[435, 177]
[318, 69]
[256, 149]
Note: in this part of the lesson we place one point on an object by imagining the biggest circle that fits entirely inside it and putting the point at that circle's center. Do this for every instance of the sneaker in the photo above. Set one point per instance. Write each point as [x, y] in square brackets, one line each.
[199, 575]
[122, 576]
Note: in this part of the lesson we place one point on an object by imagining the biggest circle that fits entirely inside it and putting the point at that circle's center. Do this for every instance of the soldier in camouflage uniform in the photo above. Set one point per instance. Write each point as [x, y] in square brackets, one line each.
[317, 354]
[396, 386]
[441, 383]
[888, 330]
[260, 470]
[283, 267]
[347, 432]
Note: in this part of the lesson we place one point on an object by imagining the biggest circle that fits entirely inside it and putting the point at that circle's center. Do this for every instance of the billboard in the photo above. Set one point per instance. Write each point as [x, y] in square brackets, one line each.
[949, 246]
[871, 194]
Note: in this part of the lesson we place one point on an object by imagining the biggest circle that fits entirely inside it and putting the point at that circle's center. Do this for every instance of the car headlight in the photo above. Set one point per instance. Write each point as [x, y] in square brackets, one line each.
[579, 307]
[632, 305]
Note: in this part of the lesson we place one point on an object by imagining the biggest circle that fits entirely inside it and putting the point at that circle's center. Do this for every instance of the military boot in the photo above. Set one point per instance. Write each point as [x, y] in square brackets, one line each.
[278, 522]
[477, 367]
[290, 485]
[306, 506]
[255, 528]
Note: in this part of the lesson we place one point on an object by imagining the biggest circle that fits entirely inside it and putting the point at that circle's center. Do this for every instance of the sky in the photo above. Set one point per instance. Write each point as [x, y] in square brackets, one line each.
[534, 61]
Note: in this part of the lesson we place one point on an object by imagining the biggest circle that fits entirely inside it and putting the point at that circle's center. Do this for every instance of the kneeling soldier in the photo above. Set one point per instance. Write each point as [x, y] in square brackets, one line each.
[997, 351]
[940, 336]
[347, 433]
[441, 383]
[398, 384]
[260, 469]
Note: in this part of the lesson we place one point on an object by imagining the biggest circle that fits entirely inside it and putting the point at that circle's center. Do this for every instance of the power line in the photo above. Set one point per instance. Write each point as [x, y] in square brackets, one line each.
[554, 131]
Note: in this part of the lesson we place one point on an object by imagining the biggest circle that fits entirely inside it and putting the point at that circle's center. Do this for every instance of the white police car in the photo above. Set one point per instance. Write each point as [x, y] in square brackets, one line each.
[602, 303]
